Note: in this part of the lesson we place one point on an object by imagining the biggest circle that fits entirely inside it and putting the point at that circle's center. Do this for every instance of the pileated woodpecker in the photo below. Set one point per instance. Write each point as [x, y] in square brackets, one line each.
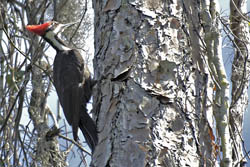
[72, 81]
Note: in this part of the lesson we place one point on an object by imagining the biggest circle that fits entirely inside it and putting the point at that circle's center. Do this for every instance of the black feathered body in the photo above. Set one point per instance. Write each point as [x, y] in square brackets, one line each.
[73, 85]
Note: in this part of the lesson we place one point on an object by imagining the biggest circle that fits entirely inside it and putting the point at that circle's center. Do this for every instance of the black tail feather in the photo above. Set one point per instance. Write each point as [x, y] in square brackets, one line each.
[88, 128]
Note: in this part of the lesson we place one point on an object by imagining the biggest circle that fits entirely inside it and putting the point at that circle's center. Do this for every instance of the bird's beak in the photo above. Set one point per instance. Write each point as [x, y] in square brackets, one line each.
[70, 24]
[65, 26]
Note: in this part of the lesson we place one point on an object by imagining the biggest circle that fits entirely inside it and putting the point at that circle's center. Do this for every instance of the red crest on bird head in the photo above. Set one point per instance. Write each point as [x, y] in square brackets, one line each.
[38, 29]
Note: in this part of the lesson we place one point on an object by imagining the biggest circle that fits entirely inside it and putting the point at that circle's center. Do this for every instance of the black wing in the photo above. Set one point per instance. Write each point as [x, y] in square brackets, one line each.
[73, 86]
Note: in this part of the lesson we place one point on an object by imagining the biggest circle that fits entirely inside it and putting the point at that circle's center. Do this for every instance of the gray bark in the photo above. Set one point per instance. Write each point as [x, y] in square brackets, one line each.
[161, 84]
[240, 77]
[150, 102]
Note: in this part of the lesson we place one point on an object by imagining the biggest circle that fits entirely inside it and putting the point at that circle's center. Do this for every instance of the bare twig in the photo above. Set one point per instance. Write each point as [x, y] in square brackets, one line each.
[12, 43]
[242, 16]
[78, 26]
[74, 142]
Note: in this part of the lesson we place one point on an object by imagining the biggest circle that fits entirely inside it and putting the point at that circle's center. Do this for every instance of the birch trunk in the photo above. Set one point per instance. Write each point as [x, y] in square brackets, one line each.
[154, 100]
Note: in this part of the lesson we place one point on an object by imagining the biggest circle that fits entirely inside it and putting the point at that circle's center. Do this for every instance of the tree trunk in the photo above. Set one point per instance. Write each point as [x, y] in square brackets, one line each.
[47, 146]
[240, 77]
[161, 82]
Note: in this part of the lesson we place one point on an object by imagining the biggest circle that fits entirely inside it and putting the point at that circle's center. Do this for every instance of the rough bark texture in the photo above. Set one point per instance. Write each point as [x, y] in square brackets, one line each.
[154, 92]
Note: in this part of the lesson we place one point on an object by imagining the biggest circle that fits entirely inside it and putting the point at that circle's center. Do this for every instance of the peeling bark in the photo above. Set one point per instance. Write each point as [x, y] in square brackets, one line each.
[161, 84]
[146, 119]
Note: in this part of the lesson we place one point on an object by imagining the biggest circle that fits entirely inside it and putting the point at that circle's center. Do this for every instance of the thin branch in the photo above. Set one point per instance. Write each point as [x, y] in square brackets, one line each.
[74, 142]
[78, 26]
[242, 16]
[10, 110]
[17, 122]
[12, 43]
[241, 87]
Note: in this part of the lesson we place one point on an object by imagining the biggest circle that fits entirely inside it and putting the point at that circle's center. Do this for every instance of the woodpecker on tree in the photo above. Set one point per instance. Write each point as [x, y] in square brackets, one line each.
[72, 81]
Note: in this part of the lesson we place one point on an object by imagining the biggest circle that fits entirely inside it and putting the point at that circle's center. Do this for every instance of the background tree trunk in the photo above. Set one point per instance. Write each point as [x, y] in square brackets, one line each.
[161, 84]
[240, 77]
